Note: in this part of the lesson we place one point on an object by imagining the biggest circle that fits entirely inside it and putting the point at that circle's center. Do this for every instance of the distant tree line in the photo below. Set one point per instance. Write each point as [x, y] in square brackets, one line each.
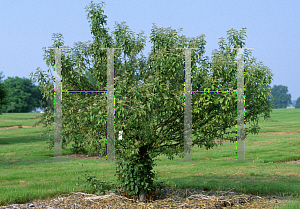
[20, 95]
[281, 98]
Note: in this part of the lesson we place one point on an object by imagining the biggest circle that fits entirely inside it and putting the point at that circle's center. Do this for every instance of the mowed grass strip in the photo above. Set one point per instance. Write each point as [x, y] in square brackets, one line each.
[24, 175]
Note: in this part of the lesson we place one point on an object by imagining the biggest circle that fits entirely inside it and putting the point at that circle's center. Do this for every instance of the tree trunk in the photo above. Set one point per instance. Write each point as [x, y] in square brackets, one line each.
[142, 195]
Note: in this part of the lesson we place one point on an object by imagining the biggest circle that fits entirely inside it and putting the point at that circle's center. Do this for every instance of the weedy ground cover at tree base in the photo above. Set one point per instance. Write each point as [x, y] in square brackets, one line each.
[24, 175]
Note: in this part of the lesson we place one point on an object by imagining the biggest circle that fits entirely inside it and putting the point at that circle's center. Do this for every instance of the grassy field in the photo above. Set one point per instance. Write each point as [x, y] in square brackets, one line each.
[24, 175]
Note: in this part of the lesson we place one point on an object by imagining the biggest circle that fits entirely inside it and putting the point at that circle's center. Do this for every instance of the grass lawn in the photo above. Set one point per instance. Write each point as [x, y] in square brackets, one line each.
[24, 175]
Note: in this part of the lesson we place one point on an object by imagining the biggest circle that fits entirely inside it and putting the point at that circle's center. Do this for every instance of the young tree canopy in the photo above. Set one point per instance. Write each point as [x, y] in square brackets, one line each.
[151, 115]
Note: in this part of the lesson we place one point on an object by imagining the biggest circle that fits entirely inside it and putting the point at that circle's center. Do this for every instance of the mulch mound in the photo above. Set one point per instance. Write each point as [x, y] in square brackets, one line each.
[165, 198]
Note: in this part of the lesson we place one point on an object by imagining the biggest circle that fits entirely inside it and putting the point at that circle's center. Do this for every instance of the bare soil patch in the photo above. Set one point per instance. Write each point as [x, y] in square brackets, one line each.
[12, 127]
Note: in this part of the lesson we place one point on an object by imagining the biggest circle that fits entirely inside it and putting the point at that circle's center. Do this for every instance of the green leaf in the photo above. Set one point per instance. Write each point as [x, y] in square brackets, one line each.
[148, 104]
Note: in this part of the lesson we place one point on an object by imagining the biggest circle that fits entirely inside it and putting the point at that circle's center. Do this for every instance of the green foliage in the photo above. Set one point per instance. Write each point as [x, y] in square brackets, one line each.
[97, 186]
[103, 187]
[78, 147]
[281, 98]
[23, 95]
[297, 105]
[132, 171]
[151, 115]
[3, 94]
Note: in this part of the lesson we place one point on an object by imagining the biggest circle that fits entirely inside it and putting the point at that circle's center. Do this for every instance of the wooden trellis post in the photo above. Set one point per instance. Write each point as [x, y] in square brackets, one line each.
[240, 143]
[58, 109]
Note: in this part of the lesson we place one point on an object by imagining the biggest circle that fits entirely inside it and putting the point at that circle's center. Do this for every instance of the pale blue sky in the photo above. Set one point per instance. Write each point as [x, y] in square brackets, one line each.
[272, 29]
